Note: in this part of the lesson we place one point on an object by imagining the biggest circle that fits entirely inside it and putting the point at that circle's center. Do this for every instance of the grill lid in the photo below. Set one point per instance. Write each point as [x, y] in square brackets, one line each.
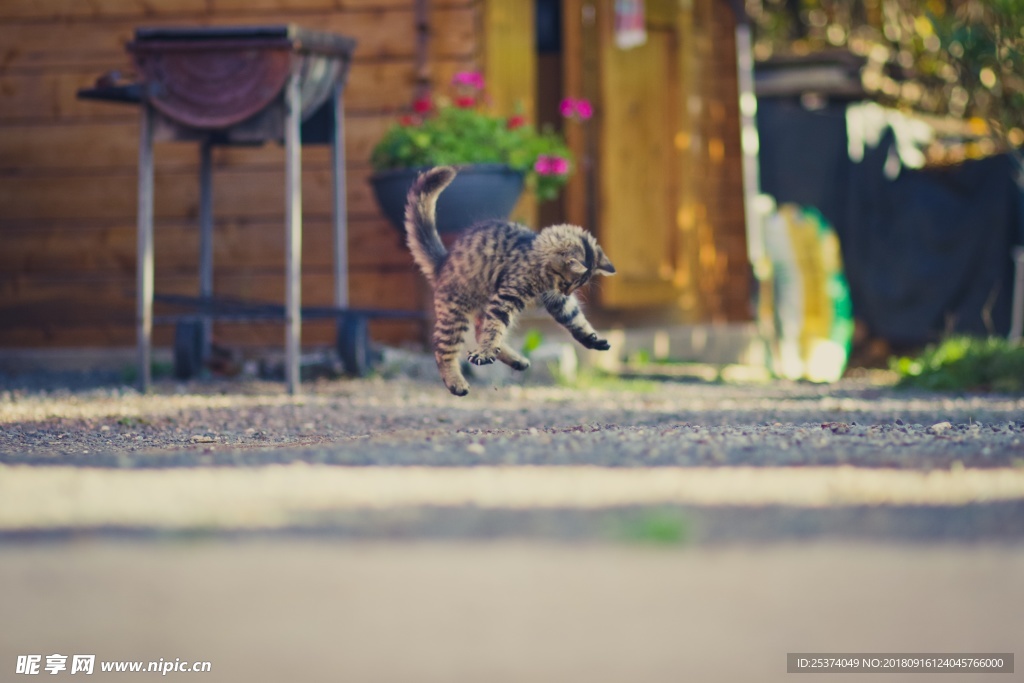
[213, 77]
[289, 36]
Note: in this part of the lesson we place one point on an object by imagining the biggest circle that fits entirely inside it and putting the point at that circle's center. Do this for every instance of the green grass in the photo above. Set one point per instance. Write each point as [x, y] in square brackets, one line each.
[656, 526]
[965, 364]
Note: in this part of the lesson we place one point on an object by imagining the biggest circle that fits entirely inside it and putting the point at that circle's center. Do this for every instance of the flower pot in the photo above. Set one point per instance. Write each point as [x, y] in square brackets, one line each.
[478, 192]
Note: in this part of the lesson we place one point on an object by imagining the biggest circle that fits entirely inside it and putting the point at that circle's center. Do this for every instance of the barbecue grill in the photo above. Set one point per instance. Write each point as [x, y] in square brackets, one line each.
[241, 85]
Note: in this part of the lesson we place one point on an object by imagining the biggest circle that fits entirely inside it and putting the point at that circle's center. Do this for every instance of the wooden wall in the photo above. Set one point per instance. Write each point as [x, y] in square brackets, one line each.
[68, 167]
[68, 171]
[717, 245]
[726, 284]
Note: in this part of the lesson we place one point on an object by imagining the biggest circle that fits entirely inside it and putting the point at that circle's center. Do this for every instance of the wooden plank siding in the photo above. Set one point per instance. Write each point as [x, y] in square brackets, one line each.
[725, 280]
[68, 172]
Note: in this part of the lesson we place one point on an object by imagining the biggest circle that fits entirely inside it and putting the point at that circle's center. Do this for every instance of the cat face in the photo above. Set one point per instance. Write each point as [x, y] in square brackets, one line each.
[579, 260]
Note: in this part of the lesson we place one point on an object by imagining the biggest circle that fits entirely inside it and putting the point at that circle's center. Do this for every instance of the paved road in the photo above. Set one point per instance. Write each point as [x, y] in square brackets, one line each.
[288, 610]
[384, 531]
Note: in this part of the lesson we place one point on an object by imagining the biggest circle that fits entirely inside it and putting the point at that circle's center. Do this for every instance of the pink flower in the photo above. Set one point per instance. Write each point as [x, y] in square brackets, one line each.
[422, 105]
[465, 102]
[472, 79]
[546, 165]
[517, 121]
[408, 120]
[583, 109]
[572, 108]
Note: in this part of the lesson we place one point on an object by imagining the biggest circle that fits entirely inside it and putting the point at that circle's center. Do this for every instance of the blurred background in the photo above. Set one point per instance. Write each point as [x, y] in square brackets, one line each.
[795, 181]
[823, 192]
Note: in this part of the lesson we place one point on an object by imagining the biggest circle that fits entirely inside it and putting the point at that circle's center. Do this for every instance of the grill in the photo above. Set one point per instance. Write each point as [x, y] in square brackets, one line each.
[240, 85]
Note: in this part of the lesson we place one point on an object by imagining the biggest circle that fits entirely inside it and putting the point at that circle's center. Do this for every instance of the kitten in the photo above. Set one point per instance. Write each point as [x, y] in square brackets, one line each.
[493, 271]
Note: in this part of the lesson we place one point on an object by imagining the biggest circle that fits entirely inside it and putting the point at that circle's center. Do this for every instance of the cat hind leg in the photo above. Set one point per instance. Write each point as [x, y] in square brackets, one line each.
[449, 330]
[503, 353]
[491, 325]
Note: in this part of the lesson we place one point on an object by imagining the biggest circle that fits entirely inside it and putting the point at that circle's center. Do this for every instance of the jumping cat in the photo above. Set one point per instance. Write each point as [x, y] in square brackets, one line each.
[493, 271]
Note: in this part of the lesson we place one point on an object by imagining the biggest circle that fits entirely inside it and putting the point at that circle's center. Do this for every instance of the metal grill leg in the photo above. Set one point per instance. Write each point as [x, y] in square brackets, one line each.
[206, 241]
[340, 201]
[293, 232]
[144, 256]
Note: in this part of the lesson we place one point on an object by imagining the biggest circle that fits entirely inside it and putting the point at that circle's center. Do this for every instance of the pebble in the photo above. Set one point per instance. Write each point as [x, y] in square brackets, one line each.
[939, 427]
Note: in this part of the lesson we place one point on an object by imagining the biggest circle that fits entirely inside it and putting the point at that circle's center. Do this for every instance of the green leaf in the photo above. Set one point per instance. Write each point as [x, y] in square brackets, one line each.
[455, 136]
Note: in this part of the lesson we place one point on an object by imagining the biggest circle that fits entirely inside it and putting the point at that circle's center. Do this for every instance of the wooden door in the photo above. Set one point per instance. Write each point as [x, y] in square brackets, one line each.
[637, 189]
[637, 182]
[510, 71]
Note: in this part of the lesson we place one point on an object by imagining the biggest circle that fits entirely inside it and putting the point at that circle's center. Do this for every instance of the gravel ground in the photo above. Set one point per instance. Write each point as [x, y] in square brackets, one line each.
[513, 460]
[401, 422]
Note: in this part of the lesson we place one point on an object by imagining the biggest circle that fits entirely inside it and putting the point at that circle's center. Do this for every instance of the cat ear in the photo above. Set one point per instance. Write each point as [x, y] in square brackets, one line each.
[574, 267]
[604, 266]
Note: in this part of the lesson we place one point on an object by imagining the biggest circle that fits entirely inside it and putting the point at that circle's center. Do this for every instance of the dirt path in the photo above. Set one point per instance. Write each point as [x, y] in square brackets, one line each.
[404, 422]
[242, 457]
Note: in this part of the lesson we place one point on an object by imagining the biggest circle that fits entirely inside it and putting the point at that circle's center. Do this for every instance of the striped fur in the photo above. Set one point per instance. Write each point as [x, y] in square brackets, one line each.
[493, 271]
[420, 226]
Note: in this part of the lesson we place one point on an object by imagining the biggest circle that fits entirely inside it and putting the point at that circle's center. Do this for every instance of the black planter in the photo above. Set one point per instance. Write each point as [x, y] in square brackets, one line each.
[477, 193]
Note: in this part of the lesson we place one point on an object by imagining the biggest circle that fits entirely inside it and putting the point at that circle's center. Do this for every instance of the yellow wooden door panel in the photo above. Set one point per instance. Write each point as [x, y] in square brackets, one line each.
[638, 185]
[510, 69]
[651, 185]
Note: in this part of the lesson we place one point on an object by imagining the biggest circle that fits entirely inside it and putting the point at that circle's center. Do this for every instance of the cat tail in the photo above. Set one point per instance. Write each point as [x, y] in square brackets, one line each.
[420, 224]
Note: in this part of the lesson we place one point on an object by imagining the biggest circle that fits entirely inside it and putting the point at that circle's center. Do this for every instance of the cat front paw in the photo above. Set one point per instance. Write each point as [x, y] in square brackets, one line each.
[596, 343]
[481, 357]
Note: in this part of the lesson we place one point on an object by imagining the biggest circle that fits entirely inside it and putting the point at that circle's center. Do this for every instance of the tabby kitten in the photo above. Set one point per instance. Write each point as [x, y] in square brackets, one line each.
[493, 271]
